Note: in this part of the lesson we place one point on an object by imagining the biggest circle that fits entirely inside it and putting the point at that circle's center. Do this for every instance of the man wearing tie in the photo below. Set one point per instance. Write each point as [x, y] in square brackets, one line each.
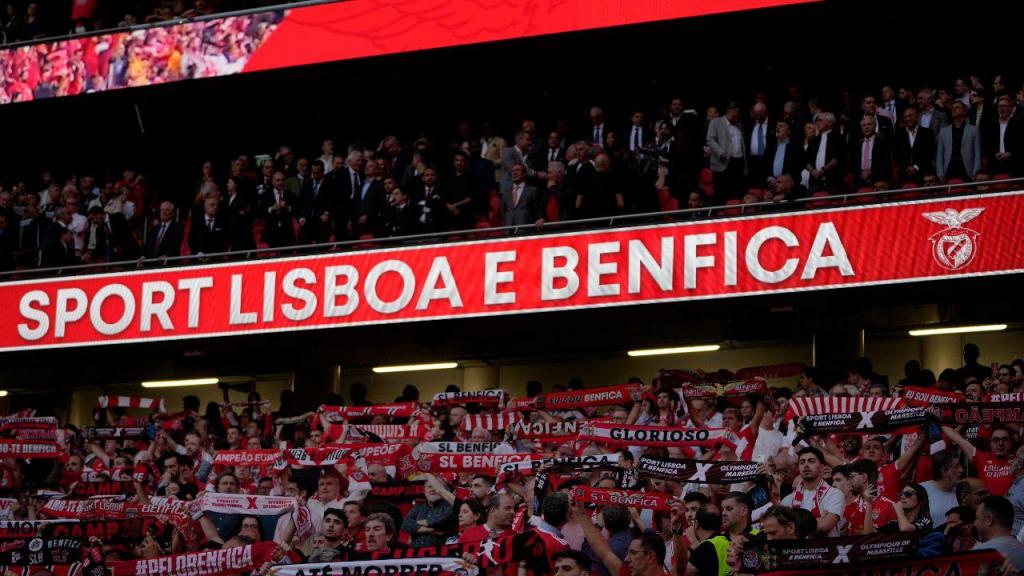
[553, 152]
[598, 127]
[520, 202]
[278, 204]
[165, 238]
[870, 156]
[760, 138]
[637, 134]
[892, 107]
[316, 198]
[209, 234]
[518, 154]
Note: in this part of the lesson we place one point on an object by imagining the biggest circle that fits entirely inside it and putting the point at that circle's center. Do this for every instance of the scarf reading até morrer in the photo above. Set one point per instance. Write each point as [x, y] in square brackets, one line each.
[965, 563]
[982, 413]
[403, 567]
[807, 554]
[479, 397]
[697, 471]
[862, 422]
[651, 436]
[631, 498]
[24, 450]
[235, 560]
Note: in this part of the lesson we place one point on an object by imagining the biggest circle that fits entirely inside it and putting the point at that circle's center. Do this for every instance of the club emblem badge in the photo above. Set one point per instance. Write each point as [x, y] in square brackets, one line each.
[954, 246]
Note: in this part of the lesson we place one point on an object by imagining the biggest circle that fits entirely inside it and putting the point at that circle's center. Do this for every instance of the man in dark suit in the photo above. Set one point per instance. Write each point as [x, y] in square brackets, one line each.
[60, 247]
[826, 156]
[584, 184]
[109, 238]
[1004, 141]
[401, 217]
[344, 182]
[369, 203]
[520, 202]
[785, 155]
[869, 109]
[553, 152]
[915, 149]
[278, 206]
[687, 148]
[458, 194]
[760, 137]
[164, 239]
[892, 107]
[870, 157]
[208, 233]
[315, 201]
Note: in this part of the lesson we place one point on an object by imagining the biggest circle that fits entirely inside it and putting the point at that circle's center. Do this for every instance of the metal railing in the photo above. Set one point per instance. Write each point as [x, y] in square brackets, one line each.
[172, 22]
[686, 214]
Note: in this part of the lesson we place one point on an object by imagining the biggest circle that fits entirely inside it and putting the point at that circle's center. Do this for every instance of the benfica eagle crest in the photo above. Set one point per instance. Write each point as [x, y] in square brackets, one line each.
[954, 246]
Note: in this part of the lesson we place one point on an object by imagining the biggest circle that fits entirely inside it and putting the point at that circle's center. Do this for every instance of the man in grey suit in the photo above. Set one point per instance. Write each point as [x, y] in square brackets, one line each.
[518, 154]
[930, 117]
[728, 155]
[959, 149]
[520, 202]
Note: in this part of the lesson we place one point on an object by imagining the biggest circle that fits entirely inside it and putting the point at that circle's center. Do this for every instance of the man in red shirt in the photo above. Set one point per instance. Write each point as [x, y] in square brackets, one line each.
[890, 474]
[499, 520]
[863, 485]
[992, 467]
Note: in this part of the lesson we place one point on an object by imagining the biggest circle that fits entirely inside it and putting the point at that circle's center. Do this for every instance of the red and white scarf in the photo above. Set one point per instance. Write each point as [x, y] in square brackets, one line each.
[112, 401]
[546, 431]
[819, 493]
[1008, 397]
[255, 506]
[475, 463]
[611, 434]
[25, 450]
[631, 498]
[771, 371]
[804, 405]
[337, 414]
[573, 399]
[262, 459]
[490, 421]
[316, 457]
[925, 397]
[479, 397]
[235, 560]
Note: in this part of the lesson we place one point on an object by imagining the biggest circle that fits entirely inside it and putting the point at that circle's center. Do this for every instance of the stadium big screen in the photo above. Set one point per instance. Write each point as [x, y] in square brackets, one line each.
[534, 287]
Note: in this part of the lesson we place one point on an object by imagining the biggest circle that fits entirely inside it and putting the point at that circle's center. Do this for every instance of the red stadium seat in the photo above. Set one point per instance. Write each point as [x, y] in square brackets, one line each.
[732, 211]
[819, 203]
[663, 197]
[757, 192]
[551, 214]
[672, 204]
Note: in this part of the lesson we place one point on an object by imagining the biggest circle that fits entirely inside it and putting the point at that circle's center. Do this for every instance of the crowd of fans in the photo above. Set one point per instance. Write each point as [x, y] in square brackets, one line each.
[157, 55]
[895, 138]
[367, 480]
[25, 20]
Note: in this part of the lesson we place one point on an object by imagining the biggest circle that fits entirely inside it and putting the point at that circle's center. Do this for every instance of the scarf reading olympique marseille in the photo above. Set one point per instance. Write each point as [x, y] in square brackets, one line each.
[800, 406]
[785, 554]
[120, 433]
[863, 422]
[697, 471]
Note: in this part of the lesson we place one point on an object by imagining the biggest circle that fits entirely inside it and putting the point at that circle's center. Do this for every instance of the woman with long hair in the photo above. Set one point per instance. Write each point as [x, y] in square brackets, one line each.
[912, 511]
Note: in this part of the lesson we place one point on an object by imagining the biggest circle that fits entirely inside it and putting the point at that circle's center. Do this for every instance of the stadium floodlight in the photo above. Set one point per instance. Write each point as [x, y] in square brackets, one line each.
[177, 383]
[415, 367]
[677, 350]
[3, 393]
[958, 330]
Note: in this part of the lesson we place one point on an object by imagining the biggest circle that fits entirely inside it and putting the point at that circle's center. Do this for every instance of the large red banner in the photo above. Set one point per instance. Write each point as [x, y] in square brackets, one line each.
[760, 254]
[313, 34]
